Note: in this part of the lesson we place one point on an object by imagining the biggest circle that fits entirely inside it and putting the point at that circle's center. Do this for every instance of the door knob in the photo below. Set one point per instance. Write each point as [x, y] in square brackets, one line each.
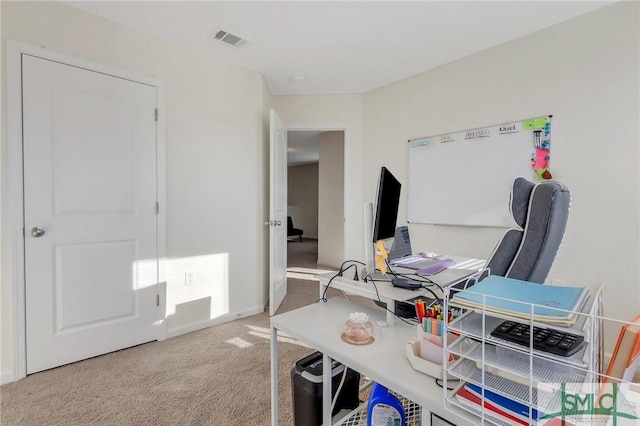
[37, 231]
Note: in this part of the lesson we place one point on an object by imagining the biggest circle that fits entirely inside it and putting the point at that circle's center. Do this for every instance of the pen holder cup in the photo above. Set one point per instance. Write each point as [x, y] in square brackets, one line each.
[422, 365]
[431, 344]
[427, 353]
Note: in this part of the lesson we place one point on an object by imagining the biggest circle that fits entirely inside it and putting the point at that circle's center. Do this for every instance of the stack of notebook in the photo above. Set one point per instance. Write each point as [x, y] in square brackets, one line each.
[558, 305]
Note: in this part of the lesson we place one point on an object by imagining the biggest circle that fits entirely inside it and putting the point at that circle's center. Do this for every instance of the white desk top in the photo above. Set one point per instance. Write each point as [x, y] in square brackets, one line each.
[368, 289]
[464, 268]
[320, 326]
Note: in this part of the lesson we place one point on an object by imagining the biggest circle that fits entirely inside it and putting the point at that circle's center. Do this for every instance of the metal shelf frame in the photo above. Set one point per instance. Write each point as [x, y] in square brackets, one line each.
[522, 374]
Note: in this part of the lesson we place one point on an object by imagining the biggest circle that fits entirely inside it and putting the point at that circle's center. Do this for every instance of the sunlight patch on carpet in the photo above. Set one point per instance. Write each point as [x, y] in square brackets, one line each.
[265, 333]
[241, 343]
[300, 276]
[260, 329]
[281, 339]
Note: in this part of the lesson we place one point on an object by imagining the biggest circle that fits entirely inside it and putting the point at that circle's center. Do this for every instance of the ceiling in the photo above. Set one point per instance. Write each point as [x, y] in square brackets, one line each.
[336, 47]
[333, 47]
[302, 147]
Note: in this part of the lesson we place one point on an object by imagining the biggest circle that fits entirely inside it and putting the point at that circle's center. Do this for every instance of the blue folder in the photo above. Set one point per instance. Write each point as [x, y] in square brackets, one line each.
[503, 402]
[553, 301]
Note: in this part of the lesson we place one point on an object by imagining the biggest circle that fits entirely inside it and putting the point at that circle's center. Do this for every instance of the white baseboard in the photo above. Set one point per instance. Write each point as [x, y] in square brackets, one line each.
[7, 376]
[177, 331]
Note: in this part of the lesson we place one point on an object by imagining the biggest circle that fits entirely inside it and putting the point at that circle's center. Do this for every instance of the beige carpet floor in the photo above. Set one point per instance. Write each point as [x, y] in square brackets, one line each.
[216, 376]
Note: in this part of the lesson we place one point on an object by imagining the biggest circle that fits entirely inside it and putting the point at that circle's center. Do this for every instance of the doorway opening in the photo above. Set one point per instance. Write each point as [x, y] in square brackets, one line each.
[315, 201]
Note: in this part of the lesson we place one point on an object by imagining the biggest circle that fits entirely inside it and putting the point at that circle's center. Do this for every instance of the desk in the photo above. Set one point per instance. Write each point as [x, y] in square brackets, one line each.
[389, 294]
[384, 361]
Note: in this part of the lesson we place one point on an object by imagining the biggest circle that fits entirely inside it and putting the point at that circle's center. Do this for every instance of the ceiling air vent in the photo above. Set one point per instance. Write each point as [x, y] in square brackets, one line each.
[229, 38]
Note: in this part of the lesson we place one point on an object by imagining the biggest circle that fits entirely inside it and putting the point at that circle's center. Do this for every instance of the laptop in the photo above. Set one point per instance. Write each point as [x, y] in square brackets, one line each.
[402, 256]
[439, 268]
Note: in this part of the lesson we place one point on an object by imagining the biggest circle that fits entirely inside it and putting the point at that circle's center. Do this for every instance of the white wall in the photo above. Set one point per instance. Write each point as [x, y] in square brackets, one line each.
[331, 209]
[584, 72]
[335, 112]
[302, 198]
[210, 144]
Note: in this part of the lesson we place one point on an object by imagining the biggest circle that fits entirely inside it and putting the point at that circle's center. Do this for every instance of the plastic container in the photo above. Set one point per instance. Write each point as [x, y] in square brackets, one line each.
[384, 408]
[358, 333]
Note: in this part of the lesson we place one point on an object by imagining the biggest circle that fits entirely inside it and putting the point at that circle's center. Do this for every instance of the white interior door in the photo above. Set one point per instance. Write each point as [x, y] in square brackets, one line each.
[277, 213]
[91, 267]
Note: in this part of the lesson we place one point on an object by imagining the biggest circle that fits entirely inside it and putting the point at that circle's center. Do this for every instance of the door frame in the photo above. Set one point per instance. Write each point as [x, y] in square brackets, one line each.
[346, 193]
[15, 50]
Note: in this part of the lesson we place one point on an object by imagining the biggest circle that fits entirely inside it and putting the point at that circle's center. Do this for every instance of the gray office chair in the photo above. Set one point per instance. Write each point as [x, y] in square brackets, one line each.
[541, 211]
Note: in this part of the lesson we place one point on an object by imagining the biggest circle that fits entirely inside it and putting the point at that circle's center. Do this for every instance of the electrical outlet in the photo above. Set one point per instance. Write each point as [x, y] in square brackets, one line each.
[189, 278]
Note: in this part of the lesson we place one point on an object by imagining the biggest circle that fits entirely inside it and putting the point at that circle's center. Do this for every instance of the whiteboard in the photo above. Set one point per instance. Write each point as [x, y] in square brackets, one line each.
[465, 178]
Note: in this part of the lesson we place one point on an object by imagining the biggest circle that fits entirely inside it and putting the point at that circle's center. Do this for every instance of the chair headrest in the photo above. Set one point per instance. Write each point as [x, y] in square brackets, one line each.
[545, 220]
[519, 200]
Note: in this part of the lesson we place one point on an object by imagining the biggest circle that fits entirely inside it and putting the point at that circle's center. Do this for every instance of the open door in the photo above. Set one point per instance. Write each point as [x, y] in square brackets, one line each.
[277, 213]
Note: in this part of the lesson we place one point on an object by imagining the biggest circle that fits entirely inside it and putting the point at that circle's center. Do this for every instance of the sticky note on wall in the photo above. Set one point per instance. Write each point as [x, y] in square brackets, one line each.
[539, 123]
[534, 123]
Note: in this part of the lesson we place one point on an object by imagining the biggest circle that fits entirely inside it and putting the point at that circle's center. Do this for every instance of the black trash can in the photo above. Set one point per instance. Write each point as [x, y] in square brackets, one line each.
[306, 389]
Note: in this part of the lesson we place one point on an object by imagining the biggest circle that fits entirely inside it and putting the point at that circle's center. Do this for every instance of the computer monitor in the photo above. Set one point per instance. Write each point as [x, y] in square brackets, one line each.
[380, 221]
[387, 203]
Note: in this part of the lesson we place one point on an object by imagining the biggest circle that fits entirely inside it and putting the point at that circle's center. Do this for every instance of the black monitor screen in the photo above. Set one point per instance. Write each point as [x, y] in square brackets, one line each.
[384, 225]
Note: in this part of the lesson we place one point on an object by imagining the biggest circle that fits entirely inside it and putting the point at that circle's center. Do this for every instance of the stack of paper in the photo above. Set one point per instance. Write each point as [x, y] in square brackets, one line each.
[522, 299]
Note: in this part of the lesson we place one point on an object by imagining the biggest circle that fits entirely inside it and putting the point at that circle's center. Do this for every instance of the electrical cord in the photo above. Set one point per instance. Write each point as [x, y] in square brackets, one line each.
[437, 285]
[340, 272]
[368, 278]
[433, 294]
[324, 293]
[413, 276]
[440, 384]
[375, 287]
[422, 279]
[350, 261]
[335, 398]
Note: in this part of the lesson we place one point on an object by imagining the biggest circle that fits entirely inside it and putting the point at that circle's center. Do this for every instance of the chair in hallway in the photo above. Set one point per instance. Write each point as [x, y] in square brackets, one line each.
[291, 231]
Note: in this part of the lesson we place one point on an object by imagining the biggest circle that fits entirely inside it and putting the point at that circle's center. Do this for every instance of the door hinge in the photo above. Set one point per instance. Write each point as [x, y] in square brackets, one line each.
[156, 114]
[157, 207]
[157, 300]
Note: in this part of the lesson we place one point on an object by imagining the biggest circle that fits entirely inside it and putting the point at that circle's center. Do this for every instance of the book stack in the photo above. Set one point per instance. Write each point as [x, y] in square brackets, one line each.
[496, 405]
[625, 357]
[559, 305]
